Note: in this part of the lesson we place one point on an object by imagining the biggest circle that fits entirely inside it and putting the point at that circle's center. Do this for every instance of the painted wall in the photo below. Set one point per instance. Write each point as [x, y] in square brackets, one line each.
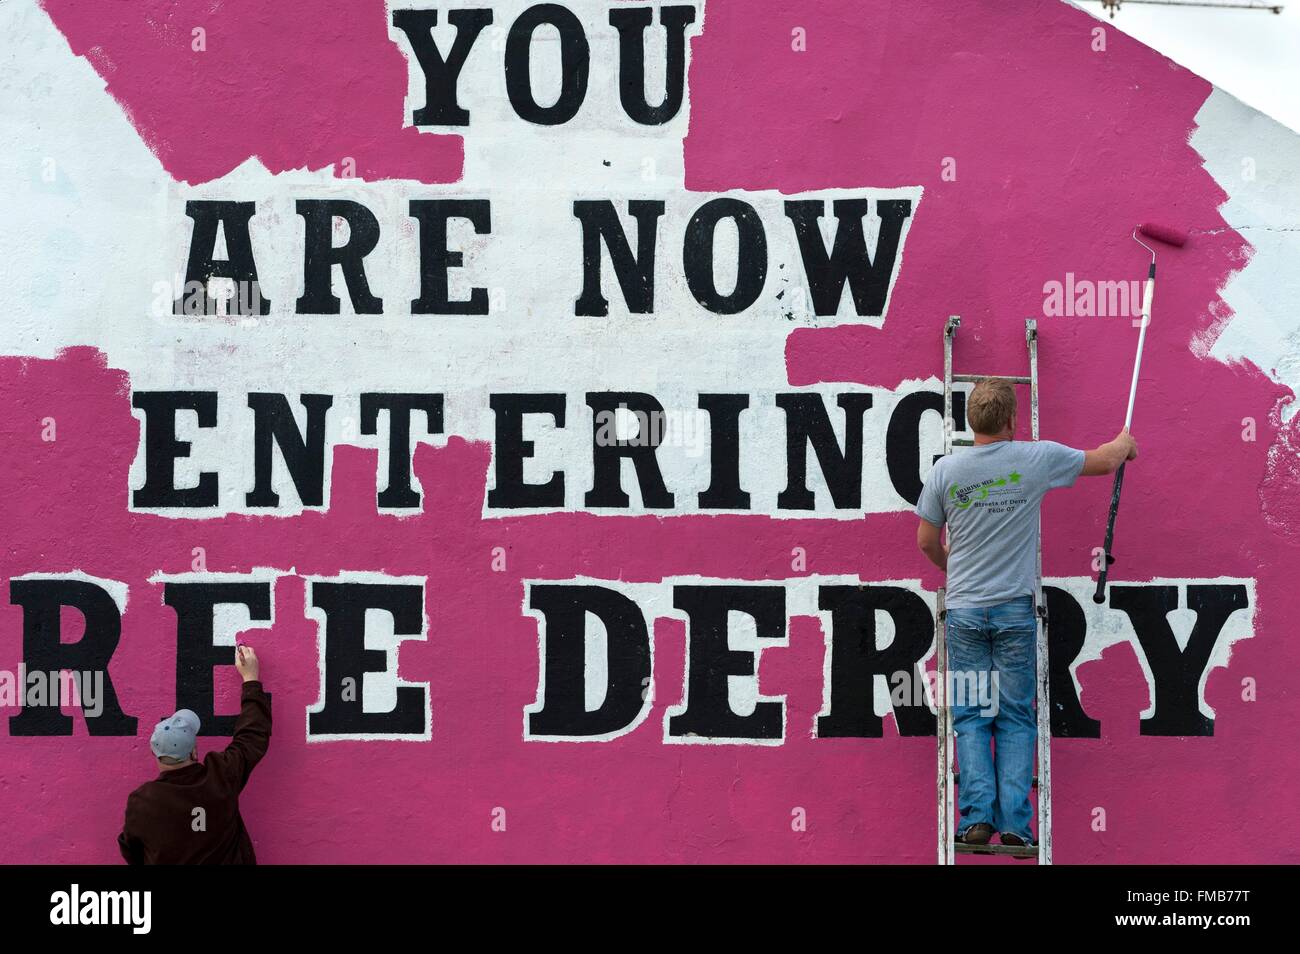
[1025, 141]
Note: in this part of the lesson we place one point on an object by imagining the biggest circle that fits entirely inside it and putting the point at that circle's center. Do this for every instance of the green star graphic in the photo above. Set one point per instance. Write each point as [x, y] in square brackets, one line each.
[1014, 478]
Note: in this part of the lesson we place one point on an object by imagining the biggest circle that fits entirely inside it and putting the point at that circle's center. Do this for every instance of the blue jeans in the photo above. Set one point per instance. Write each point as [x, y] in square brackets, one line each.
[993, 650]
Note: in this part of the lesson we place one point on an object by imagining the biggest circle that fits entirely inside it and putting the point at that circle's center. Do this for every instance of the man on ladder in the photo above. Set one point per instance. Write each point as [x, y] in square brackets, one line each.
[991, 607]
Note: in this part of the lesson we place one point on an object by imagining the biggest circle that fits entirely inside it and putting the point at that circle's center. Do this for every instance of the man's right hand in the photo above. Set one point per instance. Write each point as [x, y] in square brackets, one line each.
[246, 663]
[1125, 440]
[1110, 456]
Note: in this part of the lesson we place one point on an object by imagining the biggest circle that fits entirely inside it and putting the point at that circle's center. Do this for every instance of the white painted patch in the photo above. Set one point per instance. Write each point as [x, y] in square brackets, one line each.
[1256, 161]
[86, 254]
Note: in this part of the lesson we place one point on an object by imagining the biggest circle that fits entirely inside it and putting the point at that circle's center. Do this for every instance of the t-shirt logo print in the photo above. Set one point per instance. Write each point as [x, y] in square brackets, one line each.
[962, 495]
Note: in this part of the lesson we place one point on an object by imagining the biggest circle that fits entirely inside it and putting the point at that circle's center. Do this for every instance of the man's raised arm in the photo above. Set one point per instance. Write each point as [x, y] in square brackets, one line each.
[253, 727]
[1106, 458]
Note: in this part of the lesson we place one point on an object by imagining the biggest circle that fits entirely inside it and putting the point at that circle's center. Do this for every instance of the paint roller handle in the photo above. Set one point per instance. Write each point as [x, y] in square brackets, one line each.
[1148, 297]
[1106, 558]
[1176, 238]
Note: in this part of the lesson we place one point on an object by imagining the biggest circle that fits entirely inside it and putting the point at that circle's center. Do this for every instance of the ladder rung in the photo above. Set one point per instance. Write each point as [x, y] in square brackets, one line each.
[1013, 378]
[956, 779]
[1015, 851]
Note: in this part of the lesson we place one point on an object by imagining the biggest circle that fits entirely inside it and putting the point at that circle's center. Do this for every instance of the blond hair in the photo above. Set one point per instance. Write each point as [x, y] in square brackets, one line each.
[991, 406]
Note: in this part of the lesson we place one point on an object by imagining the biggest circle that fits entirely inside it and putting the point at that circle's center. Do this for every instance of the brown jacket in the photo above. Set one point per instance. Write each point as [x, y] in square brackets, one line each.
[160, 815]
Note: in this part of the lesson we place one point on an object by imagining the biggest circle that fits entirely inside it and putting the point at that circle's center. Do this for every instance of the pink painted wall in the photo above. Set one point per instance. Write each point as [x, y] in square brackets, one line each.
[1060, 150]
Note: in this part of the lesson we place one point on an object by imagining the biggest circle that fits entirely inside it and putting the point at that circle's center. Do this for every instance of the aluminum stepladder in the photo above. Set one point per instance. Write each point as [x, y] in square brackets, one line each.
[947, 781]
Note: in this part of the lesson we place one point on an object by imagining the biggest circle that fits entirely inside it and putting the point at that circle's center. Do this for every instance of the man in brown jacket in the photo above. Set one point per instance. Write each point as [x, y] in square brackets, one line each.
[190, 813]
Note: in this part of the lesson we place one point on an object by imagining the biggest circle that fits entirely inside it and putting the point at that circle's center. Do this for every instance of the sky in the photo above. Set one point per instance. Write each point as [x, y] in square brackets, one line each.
[1252, 54]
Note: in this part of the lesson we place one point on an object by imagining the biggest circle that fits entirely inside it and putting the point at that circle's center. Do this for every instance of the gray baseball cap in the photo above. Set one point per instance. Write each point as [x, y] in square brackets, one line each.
[174, 736]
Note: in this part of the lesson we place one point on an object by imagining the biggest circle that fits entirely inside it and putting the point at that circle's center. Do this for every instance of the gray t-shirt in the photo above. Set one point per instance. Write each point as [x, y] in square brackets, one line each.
[989, 496]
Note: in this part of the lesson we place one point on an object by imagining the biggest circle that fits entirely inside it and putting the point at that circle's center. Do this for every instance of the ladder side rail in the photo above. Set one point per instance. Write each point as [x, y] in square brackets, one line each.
[943, 713]
[1043, 667]
[947, 836]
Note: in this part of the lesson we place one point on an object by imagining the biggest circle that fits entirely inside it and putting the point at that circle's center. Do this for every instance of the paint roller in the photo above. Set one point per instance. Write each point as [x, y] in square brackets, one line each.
[1177, 239]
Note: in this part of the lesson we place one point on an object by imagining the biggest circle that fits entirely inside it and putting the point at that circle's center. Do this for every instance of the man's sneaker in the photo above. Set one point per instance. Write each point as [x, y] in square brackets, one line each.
[977, 834]
[1011, 839]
